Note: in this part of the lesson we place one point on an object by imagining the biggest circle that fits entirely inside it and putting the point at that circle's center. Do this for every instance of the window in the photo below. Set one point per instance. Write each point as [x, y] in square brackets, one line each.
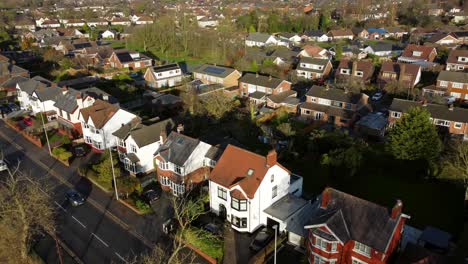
[457, 85]
[333, 246]
[178, 169]
[163, 165]
[88, 139]
[97, 144]
[133, 148]
[164, 181]
[442, 122]
[318, 115]
[85, 125]
[159, 74]
[313, 99]
[443, 83]
[337, 104]
[306, 112]
[457, 125]
[348, 106]
[121, 143]
[222, 193]
[239, 222]
[357, 261]
[344, 71]
[396, 114]
[461, 68]
[359, 73]
[361, 249]
[68, 116]
[272, 178]
[320, 243]
[239, 205]
[319, 260]
[417, 53]
[274, 191]
[456, 95]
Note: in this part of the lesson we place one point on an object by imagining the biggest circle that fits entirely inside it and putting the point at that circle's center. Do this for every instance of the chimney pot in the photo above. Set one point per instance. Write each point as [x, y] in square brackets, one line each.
[271, 158]
[451, 107]
[180, 128]
[326, 197]
[163, 136]
[396, 210]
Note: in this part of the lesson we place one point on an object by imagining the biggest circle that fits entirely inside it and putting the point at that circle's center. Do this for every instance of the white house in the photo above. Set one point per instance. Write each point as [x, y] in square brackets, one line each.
[37, 95]
[315, 35]
[206, 22]
[108, 34]
[136, 144]
[99, 121]
[167, 75]
[312, 68]
[381, 50]
[260, 40]
[290, 37]
[243, 186]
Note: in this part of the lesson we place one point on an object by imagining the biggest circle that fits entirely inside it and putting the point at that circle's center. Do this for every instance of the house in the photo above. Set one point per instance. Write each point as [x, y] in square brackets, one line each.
[144, 20]
[129, 59]
[94, 22]
[449, 119]
[346, 229]
[207, 22]
[284, 57]
[37, 95]
[457, 60]
[361, 70]
[71, 33]
[409, 74]
[383, 49]
[24, 23]
[260, 40]
[311, 68]
[332, 105]
[315, 35]
[162, 103]
[417, 53]
[450, 83]
[460, 17]
[40, 34]
[288, 100]
[360, 33]
[443, 39]
[257, 86]
[376, 33]
[340, 34]
[99, 121]
[183, 163]
[109, 34]
[52, 23]
[291, 37]
[8, 87]
[75, 46]
[9, 70]
[351, 52]
[168, 75]
[97, 55]
[120, 21]
[311, 51]
[396, 32]
[462, 36]
[213, 74]
[136, 144]
[244, 186]
[73, 22]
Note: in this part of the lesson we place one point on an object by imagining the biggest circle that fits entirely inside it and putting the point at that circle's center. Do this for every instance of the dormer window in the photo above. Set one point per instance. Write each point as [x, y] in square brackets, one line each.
[359, 73]
[463, 59]
[345, 71]
[417, 53]
[250, 172]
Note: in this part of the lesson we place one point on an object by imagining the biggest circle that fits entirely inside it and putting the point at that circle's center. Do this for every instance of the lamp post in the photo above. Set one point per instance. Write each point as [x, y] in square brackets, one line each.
[112, 165]
[45, 132]
[275, 227]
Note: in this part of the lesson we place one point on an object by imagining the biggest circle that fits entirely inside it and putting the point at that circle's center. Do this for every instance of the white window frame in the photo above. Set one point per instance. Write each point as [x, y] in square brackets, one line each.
[443, 83]
[345, 71]
[163, 165]
[357, 261]
[133, 148]
[396, 114]
[457, 85]
[362, 249]
[457, 125]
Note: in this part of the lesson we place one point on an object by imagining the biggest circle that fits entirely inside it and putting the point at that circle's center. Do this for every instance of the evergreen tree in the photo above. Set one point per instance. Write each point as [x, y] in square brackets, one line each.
[414, 137]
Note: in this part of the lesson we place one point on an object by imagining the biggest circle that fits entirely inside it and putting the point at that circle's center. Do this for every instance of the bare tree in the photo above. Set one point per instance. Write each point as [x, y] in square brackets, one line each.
[25, 211]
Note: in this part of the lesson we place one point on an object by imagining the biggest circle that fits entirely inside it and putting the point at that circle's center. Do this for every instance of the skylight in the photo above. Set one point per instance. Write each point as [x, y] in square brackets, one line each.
[250, 172]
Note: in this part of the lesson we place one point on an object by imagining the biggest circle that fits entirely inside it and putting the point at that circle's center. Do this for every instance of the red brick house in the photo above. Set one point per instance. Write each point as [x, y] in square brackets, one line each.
[408, 74]
[361, 70]
[129, 59]
[346, 229]
[257, 87]
[417, 53]
[450, 83]
[457, 60]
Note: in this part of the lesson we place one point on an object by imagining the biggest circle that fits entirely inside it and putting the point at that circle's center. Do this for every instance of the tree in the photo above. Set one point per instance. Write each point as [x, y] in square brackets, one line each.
[286, 129]
[217, 104]
[128, 185]
[26, 43]
[396, 87]
[25, 211]
[191, 102]
[348, 158]
[350, 84]
[339, 52]
[252, 109]
[51, 55]
[324, 22]
[254, 66]
[414, 137]
[455, 165]
[104, 168]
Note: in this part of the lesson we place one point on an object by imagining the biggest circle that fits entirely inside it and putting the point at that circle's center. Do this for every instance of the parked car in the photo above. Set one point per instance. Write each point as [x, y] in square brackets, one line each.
[377, 96]
[169, 226]
[151, 196]
[450, 99]
[74, 197]
[4, 109]
[27, 120]
[3, 165]
[13, 107]
[263, 237]
[213, 229]
[79, 151]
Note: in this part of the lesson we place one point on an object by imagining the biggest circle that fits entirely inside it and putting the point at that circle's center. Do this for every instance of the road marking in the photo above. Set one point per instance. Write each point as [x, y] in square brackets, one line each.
[120, 257]
[98, 238]
[78, 221]
[61, 207]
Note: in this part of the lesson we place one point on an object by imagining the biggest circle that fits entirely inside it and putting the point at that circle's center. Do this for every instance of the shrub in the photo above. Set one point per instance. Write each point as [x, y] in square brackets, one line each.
[62, 153]
[142, 206]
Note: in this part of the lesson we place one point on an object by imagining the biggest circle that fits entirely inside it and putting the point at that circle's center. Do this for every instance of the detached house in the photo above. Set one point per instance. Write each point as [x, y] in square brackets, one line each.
[212, 74]
[360, 33]
[311, 68]
[99, 121]
[257, 87]
[346, 229]
[417, 54]
[457, 60]
[183, 163]
[450, 83]
[136, 144]
[314, 52]
[340, 34]
[383, 50]
[449, 119]
[332, 105]
[443, 39]
[362, 70]
[129, 59]
[260, 40]
[409, 74]
[167, 75]
[244, 185]
[315, 35]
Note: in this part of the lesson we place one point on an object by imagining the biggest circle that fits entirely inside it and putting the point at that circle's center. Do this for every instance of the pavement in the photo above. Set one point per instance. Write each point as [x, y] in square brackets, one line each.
[102, 230]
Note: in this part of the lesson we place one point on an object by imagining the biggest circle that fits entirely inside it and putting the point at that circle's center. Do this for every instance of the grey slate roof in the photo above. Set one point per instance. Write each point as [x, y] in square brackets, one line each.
[145, 135]
[257, 95]
[330, 110]
[316, 61]
[133, 157]
[297, 223]
[314, 33]
[333, 94]
[214, 153]
[279, 98]
[258, 37]
[178, 148]
[352, 218]
[436, 111]
[167, 67]
[261, 80]
[213, 70]
[382, 47]
[48, 93]
[453, 76]
[67, 102]
[285, 207]
[13, 81]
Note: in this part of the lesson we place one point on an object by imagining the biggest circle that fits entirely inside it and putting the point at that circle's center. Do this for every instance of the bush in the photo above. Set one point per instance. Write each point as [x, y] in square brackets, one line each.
[142, 206]
[62, 153]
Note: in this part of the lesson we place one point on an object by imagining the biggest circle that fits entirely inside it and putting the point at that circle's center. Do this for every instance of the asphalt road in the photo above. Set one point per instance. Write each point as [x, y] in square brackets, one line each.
[88, 231]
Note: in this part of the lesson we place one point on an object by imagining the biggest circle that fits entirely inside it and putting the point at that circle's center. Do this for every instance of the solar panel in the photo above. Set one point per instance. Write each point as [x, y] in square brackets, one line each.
[214, 70]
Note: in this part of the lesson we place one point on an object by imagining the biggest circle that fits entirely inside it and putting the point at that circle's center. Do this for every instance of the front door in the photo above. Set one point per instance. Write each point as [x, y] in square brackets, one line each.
[222, 211]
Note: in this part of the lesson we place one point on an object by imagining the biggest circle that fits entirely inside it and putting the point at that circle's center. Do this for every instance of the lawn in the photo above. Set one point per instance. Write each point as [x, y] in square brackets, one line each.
[211, 245]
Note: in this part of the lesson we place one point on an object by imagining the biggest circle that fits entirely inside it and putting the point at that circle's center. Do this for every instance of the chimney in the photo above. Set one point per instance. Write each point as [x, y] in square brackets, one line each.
[180, 128]
[451, 107]
[327, 87]
[269, 78]
[402, 71]
[326, 197]
[271, 158]
[396, 210]
[162, 136]
[354, 68]
[256, 74]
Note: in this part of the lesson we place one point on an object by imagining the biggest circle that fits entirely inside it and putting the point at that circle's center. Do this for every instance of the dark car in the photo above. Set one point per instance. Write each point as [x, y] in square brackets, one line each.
[213, 229]
[4, 109]
[13, 107]
[74, 197]
[79, 151]
[261, 239]
[151, 196]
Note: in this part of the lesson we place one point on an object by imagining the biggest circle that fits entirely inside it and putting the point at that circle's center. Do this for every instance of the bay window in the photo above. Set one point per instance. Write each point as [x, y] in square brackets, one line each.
[362, 249]
[239, 205]
[238, 221]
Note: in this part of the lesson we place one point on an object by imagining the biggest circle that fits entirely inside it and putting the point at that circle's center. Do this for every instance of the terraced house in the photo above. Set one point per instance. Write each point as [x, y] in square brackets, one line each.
[332, 105]
[346, 229]
[448, 119]
[258, 87]
[450, 83]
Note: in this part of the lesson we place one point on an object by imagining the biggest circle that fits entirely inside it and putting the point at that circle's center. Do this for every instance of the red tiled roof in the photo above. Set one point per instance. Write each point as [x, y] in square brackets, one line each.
[237, 194]
[389, 66]
[365, 66]
[100, 112]
[425, 51]
[454, 54]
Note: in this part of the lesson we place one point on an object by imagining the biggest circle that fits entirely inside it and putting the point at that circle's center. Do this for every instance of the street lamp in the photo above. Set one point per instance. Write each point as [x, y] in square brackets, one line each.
[45, 131]
[275, 227]
[112, 165]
